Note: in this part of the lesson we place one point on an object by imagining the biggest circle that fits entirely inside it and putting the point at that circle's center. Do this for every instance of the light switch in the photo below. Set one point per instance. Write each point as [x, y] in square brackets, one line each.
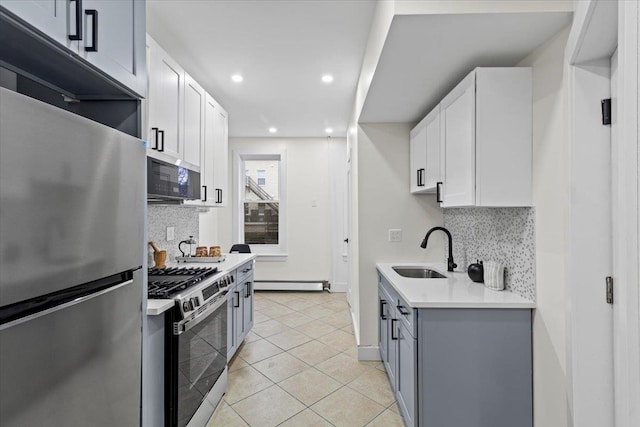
[171, 233]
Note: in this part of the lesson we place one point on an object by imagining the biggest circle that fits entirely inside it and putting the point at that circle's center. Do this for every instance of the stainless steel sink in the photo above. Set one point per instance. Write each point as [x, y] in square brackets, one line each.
[418, 273]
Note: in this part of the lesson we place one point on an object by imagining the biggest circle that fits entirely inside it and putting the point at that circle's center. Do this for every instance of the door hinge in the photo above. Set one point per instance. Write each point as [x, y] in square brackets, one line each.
[606, 111]
[609, 281]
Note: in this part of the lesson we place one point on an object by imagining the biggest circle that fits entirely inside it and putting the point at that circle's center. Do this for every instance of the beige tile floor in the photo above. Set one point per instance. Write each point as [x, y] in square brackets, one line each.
[298, 367]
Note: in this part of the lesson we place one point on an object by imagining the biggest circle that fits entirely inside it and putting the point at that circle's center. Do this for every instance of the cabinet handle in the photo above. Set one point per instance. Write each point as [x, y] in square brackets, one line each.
[155, 130]
[94, 30]
[402, 310]
[247, 287]
[161, 132]
[218, 195]
[382, 315]
[393, 337]
[417, 177]
[439, 192]
[204, 187]
[238, 295]
[78, 34]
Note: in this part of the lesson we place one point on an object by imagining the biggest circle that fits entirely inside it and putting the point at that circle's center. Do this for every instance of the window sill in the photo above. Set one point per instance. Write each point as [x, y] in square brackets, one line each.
[271, 257]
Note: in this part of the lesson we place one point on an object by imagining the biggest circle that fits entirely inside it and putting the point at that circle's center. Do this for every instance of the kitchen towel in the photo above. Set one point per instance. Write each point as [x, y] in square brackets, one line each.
[494, 275]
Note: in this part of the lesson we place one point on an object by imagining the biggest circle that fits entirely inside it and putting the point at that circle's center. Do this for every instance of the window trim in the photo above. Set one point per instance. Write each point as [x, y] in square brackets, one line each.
[272, 252]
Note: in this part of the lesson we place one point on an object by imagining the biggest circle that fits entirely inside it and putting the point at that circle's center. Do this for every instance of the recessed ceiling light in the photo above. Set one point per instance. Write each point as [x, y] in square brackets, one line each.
[327, 78]
[328, 130]
[237, 78]
[273, 130]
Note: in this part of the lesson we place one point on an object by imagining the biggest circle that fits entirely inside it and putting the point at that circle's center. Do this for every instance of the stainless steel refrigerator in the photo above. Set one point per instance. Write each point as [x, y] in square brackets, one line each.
[72, 196]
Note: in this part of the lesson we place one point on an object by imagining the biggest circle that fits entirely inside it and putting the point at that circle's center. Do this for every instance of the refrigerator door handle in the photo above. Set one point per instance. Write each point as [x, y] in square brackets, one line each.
[65, 305]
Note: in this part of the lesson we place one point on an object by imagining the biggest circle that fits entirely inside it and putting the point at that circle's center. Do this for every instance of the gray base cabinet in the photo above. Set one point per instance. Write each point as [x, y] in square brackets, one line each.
[239, 308]
[452, 367]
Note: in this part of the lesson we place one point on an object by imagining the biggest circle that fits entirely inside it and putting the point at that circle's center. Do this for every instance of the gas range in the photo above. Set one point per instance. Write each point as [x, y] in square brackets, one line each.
[193, 288]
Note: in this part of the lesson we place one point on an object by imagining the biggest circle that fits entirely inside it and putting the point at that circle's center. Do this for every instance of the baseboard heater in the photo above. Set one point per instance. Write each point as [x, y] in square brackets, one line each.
[292, 285]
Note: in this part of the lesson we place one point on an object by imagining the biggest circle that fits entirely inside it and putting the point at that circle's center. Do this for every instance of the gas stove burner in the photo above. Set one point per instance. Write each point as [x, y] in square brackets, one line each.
[166, 282]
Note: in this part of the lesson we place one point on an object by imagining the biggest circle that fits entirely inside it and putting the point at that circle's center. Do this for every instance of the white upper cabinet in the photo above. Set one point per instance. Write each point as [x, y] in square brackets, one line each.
[214, 156]
[220, 156]
[194, 127]
[418, 156]
[425, 153]
[108, 34]
[59, 20]
[165, 105]
[486, 140]
[113, 35]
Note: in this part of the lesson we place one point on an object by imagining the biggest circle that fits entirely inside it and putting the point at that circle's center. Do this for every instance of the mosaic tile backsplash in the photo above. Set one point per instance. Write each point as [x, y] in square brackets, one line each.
[184, 219]
[506, 235]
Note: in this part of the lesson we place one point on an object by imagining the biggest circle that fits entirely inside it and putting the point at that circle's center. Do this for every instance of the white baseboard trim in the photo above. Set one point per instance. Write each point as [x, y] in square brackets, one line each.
[369, 353]
[356, 330]
[339, 287]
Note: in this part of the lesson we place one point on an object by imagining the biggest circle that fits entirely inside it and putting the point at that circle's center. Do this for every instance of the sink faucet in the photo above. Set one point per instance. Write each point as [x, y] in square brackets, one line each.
[450, 264]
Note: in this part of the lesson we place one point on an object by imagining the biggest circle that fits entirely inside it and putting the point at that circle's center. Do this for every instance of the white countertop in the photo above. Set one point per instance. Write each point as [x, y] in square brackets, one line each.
[231, 262]
[455, 291]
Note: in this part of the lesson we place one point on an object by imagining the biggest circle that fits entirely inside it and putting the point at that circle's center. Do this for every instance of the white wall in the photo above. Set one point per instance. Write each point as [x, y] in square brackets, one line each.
[308, 228]
[384, 202]
[551, 193]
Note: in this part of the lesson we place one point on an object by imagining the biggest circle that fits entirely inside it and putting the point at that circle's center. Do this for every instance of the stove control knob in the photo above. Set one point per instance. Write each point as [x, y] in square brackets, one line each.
[187, 306]
[195, 301]
[232, 279]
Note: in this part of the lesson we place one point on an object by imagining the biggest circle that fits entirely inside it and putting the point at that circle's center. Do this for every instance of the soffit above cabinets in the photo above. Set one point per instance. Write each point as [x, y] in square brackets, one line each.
[425, 56]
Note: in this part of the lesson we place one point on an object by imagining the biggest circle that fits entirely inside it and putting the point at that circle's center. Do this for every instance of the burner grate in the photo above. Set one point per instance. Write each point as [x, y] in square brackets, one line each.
[166, 282]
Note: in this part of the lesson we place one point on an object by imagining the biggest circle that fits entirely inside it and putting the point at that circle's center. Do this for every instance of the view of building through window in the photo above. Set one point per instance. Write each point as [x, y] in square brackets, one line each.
[261, 202]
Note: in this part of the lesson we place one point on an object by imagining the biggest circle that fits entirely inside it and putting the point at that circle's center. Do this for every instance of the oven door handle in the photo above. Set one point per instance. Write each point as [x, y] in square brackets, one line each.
[185, 325]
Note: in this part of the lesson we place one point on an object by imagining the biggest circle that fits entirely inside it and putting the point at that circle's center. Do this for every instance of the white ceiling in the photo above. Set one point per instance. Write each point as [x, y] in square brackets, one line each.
[282, 48]
[425, 56]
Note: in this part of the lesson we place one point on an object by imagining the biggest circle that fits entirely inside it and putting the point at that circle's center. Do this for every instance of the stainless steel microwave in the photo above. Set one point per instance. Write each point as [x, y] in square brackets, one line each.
[167, 182]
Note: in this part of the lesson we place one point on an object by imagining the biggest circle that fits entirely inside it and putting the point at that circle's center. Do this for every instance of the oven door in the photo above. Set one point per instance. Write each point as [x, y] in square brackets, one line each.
[196, 357]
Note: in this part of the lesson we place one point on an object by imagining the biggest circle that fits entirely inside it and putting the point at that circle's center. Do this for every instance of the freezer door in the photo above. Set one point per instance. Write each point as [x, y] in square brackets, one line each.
[77, 366]
[72, 194]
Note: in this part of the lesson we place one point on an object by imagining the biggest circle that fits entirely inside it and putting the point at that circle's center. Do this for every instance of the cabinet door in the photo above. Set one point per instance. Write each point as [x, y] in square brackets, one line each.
[458, 133]
[391, 365]
[207, 158]
[113, 40]
[166, 101]
[432, 175]
[383, 329]
[418, 155]
[57, 19]
[406, 375]
[232, 342]
[194, 106]
[247, 302]
[238, 315]
[220, 157]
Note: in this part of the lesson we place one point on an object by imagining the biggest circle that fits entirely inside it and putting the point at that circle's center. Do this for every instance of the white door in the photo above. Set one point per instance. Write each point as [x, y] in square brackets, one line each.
[432, 175]
[347, 228]
[418, 155]
[108, 39]
[220, 158]
[166, 91]
[208, 153]
[590, 245]
[194, 102]
[60, 20]
[458, 133]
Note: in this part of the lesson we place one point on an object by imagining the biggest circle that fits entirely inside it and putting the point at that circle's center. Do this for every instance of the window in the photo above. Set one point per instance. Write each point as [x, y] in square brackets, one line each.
[259, 202]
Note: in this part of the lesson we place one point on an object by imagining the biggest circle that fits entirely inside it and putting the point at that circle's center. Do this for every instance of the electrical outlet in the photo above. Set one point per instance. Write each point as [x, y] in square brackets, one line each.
[171, 233]
[395, 235]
